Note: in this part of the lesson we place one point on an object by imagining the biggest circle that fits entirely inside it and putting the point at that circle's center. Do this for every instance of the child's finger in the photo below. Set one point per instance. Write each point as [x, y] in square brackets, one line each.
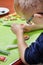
[22, 25]
[37, 15]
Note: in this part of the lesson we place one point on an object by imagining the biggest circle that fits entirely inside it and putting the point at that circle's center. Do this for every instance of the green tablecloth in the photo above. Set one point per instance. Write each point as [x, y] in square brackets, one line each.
[8, 38]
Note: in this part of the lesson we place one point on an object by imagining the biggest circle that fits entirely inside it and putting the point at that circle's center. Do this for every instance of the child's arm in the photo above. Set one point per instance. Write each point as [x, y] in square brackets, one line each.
[21, 43]
[29, 55]
[31, 27]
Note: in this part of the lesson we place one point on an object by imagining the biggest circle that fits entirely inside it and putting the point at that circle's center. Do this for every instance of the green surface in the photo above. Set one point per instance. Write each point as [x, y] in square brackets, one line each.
[8, 38]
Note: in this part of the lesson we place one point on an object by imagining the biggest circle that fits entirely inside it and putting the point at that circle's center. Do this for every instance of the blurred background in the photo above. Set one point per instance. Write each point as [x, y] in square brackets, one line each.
[8, 4]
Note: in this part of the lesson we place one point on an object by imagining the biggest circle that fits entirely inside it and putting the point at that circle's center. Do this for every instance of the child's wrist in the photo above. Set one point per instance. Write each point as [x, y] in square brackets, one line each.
[19, 33]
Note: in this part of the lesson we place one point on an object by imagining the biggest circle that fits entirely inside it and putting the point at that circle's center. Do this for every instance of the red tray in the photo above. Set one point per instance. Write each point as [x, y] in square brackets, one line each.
[18, 62]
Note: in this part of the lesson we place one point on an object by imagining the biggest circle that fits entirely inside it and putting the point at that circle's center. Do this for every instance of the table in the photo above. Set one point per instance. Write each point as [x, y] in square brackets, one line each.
[8, 38]
[10, 5]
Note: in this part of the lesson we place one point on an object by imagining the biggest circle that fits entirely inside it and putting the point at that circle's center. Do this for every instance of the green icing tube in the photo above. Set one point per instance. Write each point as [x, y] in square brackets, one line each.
[4, 52]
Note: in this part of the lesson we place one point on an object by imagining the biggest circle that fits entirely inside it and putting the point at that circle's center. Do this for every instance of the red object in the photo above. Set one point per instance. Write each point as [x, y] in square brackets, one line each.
[8, 4]
[19, 62]
[2, 58]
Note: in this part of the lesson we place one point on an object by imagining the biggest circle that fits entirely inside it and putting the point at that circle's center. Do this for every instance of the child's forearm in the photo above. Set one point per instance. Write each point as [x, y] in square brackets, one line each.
[31, 27]
[22, 46]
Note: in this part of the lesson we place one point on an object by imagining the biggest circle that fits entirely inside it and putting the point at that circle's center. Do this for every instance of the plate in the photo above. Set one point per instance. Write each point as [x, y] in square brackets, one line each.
[3, 10]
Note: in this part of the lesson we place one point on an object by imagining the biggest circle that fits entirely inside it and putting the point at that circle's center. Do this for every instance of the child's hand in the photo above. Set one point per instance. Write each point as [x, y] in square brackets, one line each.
[24, 27]
[16, 28]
